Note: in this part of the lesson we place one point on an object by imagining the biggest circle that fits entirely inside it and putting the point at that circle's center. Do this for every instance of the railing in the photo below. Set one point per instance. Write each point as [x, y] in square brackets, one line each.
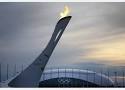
[117, 77]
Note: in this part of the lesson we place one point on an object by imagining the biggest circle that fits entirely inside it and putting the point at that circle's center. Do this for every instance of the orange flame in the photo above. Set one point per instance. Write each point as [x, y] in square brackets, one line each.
[65, 12]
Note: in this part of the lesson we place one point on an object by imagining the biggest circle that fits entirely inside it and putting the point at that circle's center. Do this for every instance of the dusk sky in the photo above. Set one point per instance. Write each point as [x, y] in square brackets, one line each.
[94, 36]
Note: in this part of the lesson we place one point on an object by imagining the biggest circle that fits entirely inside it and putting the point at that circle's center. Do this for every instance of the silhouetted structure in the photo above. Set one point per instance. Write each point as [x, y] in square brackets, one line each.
[7, 70]
[30, 76]
[0, 72]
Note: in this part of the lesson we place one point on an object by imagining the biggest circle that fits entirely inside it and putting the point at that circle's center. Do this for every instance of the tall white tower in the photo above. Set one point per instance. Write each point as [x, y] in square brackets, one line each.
[31, 75]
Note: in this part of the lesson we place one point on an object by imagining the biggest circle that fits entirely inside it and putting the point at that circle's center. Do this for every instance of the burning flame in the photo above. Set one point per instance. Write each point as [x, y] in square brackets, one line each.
[65, 12]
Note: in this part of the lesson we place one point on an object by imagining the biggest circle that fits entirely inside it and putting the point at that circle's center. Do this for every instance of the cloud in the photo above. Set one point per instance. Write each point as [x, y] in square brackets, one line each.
[25, 29]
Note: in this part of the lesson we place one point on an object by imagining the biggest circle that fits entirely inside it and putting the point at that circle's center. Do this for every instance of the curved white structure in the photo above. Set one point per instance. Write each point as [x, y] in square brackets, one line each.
[85, 75]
